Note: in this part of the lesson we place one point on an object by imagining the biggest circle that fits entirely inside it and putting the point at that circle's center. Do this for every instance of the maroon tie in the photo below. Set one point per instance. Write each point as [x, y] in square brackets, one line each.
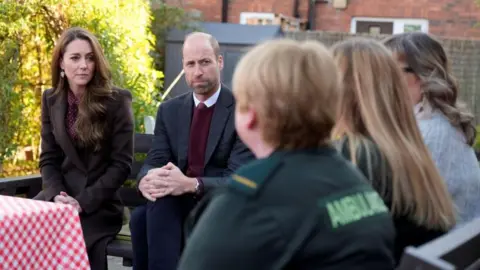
[197, 143]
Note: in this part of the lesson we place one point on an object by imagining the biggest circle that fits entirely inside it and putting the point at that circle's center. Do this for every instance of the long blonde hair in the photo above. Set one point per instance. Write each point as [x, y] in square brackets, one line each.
[375, 104]
[428, 60]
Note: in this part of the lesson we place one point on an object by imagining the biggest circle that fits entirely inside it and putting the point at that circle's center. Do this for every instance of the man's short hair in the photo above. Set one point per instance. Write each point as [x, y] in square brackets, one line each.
[212, 40]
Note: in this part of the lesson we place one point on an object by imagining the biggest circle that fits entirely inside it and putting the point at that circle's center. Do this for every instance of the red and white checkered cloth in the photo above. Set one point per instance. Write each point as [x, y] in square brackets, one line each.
[40, 235]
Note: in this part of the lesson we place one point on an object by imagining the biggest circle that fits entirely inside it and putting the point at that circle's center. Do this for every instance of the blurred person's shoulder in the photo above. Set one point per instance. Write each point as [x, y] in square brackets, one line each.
[250, 178]
[284, 175]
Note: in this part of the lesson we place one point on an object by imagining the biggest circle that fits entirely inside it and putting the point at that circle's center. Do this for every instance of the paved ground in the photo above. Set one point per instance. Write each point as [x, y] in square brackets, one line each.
[116, 264]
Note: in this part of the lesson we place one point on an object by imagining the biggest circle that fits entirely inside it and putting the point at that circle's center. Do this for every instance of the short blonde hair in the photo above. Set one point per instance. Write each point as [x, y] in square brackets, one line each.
[293, 87]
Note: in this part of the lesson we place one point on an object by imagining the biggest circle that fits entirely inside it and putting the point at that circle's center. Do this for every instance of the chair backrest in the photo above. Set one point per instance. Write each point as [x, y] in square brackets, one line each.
[458, 249]
[149, 122]
[26, 185]
[142, 144]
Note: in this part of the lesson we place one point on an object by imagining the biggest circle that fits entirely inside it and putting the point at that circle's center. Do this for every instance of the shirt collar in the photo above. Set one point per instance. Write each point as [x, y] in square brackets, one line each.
[417, 108]
[211, 100]
[423, 110]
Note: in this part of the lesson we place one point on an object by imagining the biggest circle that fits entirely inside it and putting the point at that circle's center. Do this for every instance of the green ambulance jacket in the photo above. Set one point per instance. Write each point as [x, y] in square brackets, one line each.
[308, 209]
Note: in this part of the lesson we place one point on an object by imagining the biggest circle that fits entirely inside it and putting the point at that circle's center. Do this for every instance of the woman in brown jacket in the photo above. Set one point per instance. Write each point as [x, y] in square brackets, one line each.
[87, 139]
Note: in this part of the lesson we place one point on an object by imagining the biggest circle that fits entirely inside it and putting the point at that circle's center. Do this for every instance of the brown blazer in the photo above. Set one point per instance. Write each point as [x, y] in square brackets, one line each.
[92, 178]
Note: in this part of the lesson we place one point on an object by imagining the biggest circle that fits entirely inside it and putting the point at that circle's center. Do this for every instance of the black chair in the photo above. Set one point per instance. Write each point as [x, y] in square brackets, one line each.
[25, 186]
[458, 249]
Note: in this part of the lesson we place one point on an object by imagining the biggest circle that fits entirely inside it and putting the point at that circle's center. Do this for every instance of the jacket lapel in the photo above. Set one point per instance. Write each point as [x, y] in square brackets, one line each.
[58, 113]
[184, 122]
[220, 116]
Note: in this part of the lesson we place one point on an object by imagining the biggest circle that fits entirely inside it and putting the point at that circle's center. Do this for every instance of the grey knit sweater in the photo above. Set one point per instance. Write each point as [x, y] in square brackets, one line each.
[455, 160]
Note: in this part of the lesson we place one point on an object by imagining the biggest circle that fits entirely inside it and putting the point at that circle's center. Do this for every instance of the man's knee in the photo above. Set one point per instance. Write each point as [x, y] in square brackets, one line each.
[138, 218]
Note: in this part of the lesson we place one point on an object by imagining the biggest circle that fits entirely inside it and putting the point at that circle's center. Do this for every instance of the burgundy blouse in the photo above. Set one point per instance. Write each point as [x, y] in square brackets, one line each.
[72, 112]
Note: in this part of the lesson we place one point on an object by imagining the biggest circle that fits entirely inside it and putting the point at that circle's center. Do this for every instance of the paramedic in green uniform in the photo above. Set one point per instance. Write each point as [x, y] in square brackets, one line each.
[300, 205]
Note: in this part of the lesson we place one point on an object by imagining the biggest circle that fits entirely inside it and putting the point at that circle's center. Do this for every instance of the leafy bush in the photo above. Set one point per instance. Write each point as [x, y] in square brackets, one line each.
[10, 102]
[476, 146]
[20, 168]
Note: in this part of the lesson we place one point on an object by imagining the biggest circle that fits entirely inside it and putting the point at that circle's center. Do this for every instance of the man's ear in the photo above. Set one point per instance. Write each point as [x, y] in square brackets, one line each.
[220, 62]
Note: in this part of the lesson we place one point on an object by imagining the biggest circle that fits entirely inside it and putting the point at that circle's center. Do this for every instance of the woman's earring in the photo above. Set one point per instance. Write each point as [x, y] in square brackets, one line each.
[62, 73]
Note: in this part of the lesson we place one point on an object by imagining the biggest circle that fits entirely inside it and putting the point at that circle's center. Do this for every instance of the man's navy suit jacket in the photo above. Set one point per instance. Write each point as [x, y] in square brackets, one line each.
[225, 151]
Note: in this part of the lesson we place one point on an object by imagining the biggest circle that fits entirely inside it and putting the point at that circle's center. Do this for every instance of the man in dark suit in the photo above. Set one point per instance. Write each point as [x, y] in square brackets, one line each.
[195, 149]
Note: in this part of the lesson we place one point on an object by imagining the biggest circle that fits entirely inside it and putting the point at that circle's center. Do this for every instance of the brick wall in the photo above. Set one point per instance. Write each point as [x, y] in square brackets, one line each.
[464, 56]
[212, 9]
[450, 18]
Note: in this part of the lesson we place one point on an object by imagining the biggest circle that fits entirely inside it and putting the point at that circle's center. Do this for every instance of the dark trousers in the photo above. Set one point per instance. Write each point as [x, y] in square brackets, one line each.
[157, 232]
[97, 255]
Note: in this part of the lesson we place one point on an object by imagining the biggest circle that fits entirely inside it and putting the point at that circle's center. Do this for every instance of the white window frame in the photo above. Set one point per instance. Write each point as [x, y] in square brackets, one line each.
[398, 24]
[244, 16]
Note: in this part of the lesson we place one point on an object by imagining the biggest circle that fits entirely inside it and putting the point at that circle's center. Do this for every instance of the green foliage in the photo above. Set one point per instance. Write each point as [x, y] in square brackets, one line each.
[140, 157]
[476, 146]
[20, 168]
[10, 104]
[166, 17]
[34, 25]
[130, 183]
[10, 100]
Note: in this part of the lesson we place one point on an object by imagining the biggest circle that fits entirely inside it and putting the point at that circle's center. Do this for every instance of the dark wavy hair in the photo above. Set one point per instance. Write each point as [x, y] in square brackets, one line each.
[90, 123]
[427, 58]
